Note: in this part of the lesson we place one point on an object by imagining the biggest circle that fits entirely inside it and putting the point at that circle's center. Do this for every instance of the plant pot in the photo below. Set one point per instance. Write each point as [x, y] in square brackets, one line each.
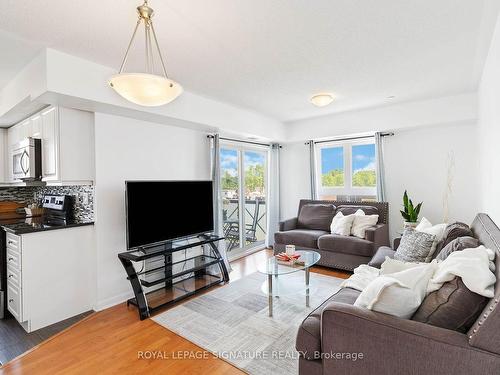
[410, 224]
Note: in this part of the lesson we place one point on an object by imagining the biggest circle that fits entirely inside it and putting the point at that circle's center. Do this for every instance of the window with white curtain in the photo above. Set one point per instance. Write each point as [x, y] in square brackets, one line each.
[346, 170]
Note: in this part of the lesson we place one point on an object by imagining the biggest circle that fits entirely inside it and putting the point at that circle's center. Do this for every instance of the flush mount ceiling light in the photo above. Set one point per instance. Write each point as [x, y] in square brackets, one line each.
[322, 99]
[146, 88]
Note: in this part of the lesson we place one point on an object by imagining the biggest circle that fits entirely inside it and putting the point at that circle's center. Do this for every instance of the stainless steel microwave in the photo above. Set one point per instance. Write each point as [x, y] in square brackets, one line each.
[27, 160]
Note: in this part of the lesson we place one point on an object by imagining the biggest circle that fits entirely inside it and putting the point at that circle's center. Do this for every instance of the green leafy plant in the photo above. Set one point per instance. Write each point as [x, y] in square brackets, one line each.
[410, 212]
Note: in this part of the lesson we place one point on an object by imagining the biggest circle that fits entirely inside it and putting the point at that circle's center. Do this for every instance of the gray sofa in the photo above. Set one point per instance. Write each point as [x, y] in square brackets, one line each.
[392, 345]
[311, 230]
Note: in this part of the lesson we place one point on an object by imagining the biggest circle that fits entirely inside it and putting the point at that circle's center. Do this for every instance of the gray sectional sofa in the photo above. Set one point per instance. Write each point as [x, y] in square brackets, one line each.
[311, 230]
[391, 345]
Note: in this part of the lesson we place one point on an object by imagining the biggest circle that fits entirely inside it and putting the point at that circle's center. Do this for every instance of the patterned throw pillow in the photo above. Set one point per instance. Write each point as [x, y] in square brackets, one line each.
[414, 246]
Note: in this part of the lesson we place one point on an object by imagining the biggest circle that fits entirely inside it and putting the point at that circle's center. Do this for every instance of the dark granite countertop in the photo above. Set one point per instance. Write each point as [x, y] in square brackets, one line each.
[38, 224]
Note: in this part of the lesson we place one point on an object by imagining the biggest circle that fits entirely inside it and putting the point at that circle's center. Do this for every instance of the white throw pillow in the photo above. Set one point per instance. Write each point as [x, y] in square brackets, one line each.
[342, 224]
[399, 294]
[437, 230]
[362, 222]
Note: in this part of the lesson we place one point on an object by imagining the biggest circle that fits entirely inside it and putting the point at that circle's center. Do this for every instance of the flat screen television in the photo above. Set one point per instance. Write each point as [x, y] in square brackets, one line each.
[159, 211]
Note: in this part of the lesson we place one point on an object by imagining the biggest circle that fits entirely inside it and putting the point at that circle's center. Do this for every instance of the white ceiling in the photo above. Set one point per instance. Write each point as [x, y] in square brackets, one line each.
[270, 56]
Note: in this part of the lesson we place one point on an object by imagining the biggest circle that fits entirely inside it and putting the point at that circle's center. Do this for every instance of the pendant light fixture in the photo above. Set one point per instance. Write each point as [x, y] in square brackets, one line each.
[148, 88]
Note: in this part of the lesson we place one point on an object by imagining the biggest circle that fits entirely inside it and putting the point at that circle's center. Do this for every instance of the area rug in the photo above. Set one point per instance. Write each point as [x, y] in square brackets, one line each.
[232, 322]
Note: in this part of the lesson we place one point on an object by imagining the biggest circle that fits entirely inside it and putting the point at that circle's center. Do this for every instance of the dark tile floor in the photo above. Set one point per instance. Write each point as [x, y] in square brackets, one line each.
[14, 340]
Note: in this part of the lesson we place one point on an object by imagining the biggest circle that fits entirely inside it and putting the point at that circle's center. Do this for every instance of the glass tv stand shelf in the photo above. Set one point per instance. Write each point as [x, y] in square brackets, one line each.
[174, 280]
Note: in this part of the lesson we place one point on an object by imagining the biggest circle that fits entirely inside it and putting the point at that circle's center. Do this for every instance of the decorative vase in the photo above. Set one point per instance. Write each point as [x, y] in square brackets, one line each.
[410, 224]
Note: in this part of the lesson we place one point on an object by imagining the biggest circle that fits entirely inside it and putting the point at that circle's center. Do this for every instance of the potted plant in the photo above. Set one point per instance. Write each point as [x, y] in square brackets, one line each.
[410, 213]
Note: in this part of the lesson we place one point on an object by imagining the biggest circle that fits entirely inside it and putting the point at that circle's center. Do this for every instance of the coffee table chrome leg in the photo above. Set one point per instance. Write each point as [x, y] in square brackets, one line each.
[270, 292]
[307, 286]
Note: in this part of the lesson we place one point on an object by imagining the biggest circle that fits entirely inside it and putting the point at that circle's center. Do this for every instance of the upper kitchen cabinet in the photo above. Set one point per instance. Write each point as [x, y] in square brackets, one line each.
[67, 144]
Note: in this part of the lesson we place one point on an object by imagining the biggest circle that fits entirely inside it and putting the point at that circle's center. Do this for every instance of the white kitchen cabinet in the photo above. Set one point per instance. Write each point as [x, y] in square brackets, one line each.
[67, 144]
[49, 275]
[50, 141]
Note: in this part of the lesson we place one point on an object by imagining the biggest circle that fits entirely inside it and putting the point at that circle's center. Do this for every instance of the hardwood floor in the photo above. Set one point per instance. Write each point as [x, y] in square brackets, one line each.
[14, 340]
[111, 341]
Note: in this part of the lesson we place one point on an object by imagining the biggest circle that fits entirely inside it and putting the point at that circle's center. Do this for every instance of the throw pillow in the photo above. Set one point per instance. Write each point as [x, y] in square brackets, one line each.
[398, 294]
[453, 306]
[342, 224]
[458, 244]
[455, 230]
[437, 230]
[315, 216]
[414, 246]
[362, 222]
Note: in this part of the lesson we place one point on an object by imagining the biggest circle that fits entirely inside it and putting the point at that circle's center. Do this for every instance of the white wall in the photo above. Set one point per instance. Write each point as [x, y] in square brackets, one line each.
[294, 175]
[128, 149]
[489, 130]
[416, 160]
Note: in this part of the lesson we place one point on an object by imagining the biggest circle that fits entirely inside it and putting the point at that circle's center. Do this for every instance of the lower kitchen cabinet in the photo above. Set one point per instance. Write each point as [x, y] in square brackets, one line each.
[49, 275]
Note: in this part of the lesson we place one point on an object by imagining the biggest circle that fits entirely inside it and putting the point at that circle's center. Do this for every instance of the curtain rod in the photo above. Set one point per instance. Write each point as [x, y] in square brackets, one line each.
[241, 141]
[388, 134]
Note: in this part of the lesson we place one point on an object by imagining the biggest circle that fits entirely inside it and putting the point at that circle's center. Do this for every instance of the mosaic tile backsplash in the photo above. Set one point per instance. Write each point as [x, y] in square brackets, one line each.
[83, 197]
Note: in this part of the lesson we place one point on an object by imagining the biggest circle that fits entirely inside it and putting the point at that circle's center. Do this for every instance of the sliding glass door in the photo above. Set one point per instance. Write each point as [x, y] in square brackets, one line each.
[244, 192]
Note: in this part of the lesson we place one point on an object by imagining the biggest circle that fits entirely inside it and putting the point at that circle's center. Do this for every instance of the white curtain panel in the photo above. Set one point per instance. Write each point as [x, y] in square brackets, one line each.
[273, 204]
[379, 150]
[215, 171]
[312, 167]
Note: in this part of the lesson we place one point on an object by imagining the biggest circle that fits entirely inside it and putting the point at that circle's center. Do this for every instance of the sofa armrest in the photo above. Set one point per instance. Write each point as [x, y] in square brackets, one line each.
[391, 345]
[379, 235]
[288, 224]
[380, 255]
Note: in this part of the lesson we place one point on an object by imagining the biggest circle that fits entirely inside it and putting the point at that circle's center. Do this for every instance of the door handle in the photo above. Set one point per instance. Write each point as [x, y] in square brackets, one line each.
[11, 276]
[21, 161]
[11, 300]
[11, 259]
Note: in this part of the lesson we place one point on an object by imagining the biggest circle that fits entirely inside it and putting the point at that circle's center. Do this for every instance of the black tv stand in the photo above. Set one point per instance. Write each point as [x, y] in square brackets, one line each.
[174, 285]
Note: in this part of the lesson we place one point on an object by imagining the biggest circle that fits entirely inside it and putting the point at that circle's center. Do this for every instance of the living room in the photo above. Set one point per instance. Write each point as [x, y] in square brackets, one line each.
[241, 178]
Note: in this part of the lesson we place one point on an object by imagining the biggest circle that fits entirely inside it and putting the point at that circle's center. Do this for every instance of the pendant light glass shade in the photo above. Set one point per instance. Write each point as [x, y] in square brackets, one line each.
[149, 90]
[146, 89]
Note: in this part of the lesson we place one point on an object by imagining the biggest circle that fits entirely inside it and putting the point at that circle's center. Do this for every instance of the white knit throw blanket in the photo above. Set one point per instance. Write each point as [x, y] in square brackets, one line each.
[474, 266]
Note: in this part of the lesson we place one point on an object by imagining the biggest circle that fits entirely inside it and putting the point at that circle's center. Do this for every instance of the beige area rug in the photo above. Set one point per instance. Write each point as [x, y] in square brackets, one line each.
[232, 322]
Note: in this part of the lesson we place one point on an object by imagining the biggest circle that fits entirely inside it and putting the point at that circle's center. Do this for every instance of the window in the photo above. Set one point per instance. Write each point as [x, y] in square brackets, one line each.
[346, 171]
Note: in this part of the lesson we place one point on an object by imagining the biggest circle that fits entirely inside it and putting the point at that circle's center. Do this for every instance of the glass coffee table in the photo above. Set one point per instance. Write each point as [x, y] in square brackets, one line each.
[273, 269]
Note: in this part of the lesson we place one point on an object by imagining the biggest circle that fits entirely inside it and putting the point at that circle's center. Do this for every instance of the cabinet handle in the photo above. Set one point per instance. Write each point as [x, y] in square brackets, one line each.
[11, 276]
[11, 300]
[11, 259]
[10, 242]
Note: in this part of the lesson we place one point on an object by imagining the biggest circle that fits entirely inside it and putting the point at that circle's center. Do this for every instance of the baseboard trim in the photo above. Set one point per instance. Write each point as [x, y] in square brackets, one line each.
[113, 301]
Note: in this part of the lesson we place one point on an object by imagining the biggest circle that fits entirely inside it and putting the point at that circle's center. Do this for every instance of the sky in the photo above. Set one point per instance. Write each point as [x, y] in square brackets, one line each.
[363, 158]
[229, 160]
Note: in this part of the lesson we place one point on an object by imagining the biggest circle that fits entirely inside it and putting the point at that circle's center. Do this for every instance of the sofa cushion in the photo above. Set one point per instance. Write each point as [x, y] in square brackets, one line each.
[453, 306]
[316, 216]
[309, 333]
[300, 237]
[346, 245]
[379, 257]
[458, 244]
[349, 210]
